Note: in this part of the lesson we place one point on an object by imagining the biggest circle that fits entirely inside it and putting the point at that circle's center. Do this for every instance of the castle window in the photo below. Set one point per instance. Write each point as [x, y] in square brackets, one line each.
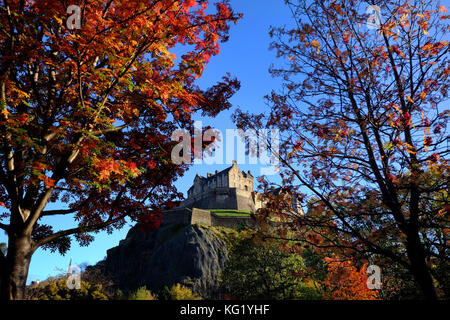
[246, 188]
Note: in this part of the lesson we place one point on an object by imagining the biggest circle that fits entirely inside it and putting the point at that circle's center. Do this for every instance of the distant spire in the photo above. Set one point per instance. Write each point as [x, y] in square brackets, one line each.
[70, 266]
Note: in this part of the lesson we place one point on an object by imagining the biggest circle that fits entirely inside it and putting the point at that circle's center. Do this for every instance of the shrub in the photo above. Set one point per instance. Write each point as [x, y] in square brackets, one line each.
[142, 294]
[56, 289]
[119, 295]
[178, 292]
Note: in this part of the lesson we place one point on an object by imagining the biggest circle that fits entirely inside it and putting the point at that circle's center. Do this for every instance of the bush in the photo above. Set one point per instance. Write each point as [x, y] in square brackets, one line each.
[119, 295]
[56, 289]
[178, 292]
[142, 294]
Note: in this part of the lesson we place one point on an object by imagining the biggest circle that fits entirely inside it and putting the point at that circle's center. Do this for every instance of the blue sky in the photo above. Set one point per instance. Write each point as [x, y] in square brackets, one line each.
[245, 56]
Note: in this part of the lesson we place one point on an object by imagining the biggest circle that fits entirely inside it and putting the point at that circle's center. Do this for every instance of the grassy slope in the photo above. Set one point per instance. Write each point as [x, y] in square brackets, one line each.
[230, 213]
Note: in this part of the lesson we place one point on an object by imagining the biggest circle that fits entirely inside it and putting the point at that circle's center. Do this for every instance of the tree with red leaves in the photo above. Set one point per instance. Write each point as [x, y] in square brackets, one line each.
[364, 124]
[87, 112]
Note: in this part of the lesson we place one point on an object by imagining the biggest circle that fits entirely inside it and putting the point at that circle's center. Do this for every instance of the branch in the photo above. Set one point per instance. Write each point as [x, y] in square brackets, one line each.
[58, 212]
[69, 232]
[4, 227]
[113, 129]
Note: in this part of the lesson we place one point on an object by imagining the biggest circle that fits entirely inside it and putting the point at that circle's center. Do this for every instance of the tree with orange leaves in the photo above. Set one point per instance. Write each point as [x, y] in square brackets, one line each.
[363, 119]
[87, 110]
[345, 282]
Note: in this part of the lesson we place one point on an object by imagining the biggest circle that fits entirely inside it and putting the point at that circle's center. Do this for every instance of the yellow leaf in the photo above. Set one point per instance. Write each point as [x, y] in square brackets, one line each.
[423, 95]
[60, 22]
[410, 99]
[316, 45]
[443, 9]
[5, 112]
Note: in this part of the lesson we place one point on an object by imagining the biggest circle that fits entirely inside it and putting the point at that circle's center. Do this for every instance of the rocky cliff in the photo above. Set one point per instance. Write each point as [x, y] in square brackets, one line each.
[190, 255]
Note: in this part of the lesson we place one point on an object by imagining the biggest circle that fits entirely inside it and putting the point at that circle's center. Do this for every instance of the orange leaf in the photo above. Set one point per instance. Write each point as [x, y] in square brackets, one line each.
[315, 44]
[422, 95]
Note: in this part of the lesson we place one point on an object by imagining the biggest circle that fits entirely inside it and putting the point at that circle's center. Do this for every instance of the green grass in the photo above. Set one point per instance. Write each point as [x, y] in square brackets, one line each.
[230, 213]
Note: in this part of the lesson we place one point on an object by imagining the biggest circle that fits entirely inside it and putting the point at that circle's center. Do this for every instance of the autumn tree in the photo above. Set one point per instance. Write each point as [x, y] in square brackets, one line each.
[364, 131]
[87, 111]
[345, 282]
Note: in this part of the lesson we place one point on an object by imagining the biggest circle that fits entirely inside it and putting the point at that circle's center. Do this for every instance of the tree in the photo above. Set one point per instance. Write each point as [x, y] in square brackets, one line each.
[363, 126]
[86, 115]
[257, 271]
[345, 282]
[398, 284]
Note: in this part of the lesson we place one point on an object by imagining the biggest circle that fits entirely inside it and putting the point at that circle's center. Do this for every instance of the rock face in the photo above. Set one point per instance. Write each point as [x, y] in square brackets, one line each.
[190, 255]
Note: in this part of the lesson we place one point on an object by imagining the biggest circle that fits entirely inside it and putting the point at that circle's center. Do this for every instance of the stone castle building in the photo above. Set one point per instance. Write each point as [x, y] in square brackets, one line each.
[228, 189]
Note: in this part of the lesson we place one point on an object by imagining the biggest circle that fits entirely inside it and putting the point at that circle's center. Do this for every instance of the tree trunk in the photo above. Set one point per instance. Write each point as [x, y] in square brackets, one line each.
[419, 266]
[15, 269]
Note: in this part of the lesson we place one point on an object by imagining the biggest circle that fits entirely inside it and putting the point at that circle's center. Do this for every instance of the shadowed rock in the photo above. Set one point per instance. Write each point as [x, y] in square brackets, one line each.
[173, 254]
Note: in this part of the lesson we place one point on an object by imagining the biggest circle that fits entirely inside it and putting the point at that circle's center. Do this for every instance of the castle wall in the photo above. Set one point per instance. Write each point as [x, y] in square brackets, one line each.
[244, 200]
[201, 216]
[232, 222]
[188, 217]
[223, 198]
[177, 215]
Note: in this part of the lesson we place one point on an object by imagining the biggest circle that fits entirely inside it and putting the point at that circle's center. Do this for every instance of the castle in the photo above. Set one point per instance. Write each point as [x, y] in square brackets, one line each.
[228, 189]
